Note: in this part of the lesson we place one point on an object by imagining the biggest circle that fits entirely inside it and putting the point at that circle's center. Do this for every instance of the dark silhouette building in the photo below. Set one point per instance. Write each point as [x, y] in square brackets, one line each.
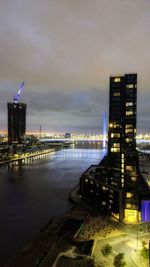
[122, 154]
[16, 122]
[116, 184]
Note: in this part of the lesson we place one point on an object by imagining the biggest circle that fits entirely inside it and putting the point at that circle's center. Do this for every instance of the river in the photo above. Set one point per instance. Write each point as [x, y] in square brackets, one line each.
[32, 194]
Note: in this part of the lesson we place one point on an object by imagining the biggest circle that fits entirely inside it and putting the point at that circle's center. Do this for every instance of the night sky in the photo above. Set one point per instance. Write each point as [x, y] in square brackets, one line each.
[66, 50]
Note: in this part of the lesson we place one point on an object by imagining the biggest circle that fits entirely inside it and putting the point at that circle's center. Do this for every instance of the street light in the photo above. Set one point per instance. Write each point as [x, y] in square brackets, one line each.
[149, 253]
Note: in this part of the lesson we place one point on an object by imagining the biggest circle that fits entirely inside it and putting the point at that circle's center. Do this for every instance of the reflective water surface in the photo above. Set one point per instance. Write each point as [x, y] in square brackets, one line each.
[32, 194]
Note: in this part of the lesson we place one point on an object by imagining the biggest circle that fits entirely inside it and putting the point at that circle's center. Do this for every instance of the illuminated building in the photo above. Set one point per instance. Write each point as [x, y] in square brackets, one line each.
[116, 184]
[122, 154]
[16, 122]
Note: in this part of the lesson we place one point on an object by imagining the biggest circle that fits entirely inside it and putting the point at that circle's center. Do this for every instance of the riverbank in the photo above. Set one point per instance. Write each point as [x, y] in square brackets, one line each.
[56, 236]
[26, 156]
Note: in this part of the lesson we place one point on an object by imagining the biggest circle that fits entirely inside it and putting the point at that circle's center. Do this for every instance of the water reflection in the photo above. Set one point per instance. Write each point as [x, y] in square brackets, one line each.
[33, 192]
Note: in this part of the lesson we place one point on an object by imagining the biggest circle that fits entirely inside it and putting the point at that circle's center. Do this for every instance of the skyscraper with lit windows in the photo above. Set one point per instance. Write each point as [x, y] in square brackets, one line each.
[116, 185]
[122, 155]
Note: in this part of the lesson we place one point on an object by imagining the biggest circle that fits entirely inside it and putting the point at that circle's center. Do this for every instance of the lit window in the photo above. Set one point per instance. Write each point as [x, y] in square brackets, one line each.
[127, 126]
[115, 149]
[91, 182]
[130, 86]
[133, 178]
[129, 104]
[115, 135]
[117, 80]
[116, 145]
[122, 166]
[131, 215]
[129, 168]
[116, 94]
[86, 180]
[111, 125]
[134, 130]
[128, 113]
[128, 206]
[129, 195]
[122, 170]
[128, 130]
[128, 140]
[122, 155]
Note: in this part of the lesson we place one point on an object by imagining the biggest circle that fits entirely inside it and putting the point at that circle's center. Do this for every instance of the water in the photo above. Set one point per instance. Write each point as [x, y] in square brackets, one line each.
[32, 194]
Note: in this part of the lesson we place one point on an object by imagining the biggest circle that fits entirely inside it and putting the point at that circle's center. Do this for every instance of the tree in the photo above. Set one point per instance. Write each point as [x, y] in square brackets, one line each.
[144, 250]
[119, 260]
[106, 250]
[144, 243]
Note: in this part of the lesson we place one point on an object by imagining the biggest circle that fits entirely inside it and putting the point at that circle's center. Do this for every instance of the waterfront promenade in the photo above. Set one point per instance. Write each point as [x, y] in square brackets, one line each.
[24, 156]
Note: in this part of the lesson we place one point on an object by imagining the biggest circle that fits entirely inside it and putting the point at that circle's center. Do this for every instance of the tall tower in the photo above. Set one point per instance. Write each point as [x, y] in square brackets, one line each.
[122, 154]
[16, 119]
[16, 122]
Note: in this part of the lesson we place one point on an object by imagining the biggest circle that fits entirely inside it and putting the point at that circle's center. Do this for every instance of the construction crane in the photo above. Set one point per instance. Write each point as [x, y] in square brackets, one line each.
[16, 97]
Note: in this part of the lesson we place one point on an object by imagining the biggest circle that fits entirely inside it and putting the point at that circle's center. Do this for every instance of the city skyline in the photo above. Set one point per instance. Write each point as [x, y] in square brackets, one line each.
[65, 51]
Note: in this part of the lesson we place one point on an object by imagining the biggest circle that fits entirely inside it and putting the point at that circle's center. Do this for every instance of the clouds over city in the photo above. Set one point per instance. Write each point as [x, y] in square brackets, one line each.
[66, 50]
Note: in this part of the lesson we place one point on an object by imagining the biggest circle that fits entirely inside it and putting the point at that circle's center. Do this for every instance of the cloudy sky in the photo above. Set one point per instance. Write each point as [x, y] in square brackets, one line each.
[66, 50]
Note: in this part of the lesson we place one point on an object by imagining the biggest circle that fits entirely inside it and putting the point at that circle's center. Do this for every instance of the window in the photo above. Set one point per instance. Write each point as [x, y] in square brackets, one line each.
[129, 131]
[116, 145]
[128, 206]
[128, 140]
[129, 195]
[128, 113]
[128, 86]
[115, 149]
[117, 80]
[133, 178]
[115, 135]
[116, 94]
[129, 168]
[128, 126]
[115, 125]
[129, 104]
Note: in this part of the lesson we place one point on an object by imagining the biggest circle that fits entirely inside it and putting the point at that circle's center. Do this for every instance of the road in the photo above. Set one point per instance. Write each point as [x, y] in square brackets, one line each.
[126, 243]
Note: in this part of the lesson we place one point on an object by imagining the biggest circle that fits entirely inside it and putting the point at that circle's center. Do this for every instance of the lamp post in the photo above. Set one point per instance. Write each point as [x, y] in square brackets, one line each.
[149, 253]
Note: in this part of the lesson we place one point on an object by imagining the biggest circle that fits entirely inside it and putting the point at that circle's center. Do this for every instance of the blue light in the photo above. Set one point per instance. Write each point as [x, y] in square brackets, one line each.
[16, 98]
[104, 130]
[145, 210]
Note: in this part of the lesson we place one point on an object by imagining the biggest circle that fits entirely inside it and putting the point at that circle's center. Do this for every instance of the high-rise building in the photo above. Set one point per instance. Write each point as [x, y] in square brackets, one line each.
[116, 184]
[16, 122]
[122, 154]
